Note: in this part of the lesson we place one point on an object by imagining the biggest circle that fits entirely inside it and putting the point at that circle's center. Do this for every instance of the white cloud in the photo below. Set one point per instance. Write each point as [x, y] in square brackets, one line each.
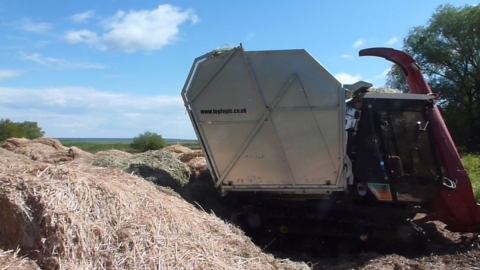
[88, 112]
[392, 41]
[81, 17]
[81, 36]
[9, 73]
[88, 97]
[40, 27]
[59, 63]
[136, 30]
[346, 56]
[358, 43]
[346, 78]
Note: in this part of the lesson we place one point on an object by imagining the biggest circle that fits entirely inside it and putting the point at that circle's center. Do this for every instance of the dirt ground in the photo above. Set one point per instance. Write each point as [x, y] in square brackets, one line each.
[38, 177]
[446, 250]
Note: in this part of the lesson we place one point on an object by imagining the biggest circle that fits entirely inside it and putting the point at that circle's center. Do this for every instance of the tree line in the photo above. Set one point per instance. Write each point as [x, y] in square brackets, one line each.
[447, 49]
[26, 129]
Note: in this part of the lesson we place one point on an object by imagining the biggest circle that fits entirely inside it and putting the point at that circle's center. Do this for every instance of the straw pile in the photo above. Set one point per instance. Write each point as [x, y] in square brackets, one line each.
[44, 149]
[11, 260]
[177, 149]
[194, 159]
[78, 216]
[200, 190]
[113, 153]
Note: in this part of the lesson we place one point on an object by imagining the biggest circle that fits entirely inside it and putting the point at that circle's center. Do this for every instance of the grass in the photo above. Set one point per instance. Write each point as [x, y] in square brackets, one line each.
[472, 164]
[94, 147]
[191, 144]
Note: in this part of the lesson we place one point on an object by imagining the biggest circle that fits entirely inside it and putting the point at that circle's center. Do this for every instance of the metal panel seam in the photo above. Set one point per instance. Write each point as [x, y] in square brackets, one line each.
[318, 126]
[225, 61]
[254, 132]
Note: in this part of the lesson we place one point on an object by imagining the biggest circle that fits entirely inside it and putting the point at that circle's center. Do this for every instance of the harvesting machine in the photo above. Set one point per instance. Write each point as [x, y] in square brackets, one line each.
[296, 156]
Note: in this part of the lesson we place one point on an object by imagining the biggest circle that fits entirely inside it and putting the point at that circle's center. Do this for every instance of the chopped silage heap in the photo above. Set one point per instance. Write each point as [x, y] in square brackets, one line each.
[77, 216]
[159, 166]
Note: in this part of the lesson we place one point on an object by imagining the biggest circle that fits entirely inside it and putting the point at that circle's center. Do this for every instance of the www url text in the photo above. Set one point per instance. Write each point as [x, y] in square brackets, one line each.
[223, 111]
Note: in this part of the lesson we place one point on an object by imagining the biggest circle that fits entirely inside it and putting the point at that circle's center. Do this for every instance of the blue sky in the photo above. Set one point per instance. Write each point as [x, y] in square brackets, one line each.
[115, 68]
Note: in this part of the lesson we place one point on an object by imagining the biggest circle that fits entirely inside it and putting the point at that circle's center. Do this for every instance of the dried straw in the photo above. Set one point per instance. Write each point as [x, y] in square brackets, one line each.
[44, 149]
[10, 260]
[76, 216]
[177, 149]
[113, 153]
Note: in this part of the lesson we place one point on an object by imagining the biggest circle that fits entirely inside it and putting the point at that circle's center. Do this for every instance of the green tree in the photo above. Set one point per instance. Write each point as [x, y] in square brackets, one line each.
[397, 80]
[8, 129]
[148, 141]
[448, 50]
[29, 130]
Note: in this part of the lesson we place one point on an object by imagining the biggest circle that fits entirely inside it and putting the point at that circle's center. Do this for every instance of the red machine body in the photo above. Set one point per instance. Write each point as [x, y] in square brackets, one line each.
[456, 206]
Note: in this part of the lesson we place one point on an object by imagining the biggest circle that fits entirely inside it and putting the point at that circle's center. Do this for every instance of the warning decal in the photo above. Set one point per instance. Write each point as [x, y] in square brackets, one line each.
[381, 191]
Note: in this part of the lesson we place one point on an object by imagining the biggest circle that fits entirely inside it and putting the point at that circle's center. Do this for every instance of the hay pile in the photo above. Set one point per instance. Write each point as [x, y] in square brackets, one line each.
[113, 153]
[160, 167]
[77, 216]
[44, 150]
[177, 149]
[194, 159]
[11, 260]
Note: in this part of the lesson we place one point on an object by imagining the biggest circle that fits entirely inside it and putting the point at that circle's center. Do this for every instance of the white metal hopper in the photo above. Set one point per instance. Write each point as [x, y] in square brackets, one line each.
[268, 121]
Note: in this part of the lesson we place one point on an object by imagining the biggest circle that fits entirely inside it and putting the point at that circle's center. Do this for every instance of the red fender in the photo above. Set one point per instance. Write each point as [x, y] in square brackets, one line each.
[456, 207]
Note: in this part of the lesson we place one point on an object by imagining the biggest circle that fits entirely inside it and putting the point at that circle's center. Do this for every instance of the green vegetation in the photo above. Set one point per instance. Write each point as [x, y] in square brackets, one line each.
[190, 144]
[28, 130]
[447, 49]
[472, 164]
[148, 141]
[94, 147]
[159, 167]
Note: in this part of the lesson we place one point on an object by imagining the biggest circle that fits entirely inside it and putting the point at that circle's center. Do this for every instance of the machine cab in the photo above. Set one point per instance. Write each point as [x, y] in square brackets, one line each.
[392, 148]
